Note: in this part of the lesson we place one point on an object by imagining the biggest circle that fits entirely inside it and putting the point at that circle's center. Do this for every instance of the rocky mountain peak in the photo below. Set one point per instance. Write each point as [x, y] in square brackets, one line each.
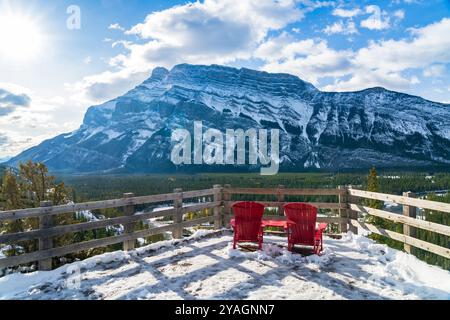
[345, 130]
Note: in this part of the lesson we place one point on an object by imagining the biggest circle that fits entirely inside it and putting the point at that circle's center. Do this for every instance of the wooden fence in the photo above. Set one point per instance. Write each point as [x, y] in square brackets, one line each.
[342, 207]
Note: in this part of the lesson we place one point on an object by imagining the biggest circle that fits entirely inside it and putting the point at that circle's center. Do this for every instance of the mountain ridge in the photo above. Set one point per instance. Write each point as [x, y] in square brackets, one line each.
[327, 130]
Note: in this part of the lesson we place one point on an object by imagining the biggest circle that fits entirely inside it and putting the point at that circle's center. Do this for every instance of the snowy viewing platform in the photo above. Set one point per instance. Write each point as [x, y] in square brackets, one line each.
[204, 266]
[197, 259]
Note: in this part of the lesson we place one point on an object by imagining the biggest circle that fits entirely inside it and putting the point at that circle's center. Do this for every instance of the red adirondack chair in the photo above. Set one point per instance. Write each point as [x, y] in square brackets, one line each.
[301, 226]
[247, 222]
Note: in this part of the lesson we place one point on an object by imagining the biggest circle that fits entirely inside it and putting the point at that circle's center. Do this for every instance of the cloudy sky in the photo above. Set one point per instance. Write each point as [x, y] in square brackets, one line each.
[57, 58]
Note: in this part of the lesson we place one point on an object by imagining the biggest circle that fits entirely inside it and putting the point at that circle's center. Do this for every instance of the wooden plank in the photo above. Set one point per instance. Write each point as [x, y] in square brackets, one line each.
[128, 228]
[343, 213]
[409, 211]
[422, 224]
[198, 193]
[177, 233]
[419, 203]
[92, 225]
[226, 197]
[319, 219]
[273, 191]
[280, 199]
[115, 203]
[45, 242]
[217, 209]
[313, 192]
[151, 199]
[98, 243]
[444, 252]
[319, 205]
[200, 206]
[84, 226]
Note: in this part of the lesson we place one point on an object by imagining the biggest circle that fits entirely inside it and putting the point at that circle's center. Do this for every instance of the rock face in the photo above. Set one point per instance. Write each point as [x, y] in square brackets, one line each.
[327, 130]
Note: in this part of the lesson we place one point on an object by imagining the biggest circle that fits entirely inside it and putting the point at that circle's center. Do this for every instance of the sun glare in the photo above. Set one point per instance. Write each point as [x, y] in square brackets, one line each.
[20, 37]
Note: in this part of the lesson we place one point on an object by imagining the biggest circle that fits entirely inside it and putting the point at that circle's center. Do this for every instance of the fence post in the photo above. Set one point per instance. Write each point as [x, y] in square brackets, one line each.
[128, 228]
[226, 205]
[177, 233]
[409, 211]
[351, 214]
[343, 213]
[217, 209]
[280, 198]
[45, 222]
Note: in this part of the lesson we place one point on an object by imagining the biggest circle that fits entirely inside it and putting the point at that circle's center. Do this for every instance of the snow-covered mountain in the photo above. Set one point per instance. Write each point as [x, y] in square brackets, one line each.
[132, 133]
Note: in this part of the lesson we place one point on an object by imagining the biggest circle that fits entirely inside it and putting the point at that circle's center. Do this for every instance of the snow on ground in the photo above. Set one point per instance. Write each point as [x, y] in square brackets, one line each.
[204, 266]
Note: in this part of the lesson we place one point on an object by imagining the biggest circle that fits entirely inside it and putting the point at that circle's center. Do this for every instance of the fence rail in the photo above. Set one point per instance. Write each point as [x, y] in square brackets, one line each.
[220, 200]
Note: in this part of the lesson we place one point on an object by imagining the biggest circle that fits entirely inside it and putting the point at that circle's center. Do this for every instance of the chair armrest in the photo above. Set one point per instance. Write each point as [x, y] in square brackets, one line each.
[288, 224]
[322, 226]
[233, 222]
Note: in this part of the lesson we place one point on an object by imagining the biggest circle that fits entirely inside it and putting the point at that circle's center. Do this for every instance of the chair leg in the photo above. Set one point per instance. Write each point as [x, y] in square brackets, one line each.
[321, 242]
[290, 246]
[318, 247]
[260, 238]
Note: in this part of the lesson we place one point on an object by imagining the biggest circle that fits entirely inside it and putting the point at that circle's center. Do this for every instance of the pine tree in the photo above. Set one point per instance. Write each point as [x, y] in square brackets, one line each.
[12, 200]
[32, 185]
[10, 192]
[373, 185]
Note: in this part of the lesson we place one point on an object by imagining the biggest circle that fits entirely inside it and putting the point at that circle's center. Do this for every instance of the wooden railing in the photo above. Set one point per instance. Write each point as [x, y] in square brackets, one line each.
[342, 210]
[47, 231]
[408, 219]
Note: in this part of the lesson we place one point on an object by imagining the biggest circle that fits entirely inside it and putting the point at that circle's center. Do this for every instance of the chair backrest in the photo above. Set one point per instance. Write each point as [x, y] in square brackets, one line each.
[305, 217]
[248, 217]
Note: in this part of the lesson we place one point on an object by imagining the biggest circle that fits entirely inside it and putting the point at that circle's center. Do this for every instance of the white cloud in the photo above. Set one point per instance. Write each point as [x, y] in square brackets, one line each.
[224, 32]
[399, 14]
[33, 119]
[116, 26]
[105, 86]
[414, 80]
[340, 27]
[216, 30]
[87, 60]
[310, 59]
[382, 62]
[343, 13]
[427, 47]
[11, 99]
[365, 78]
[206, 32]
[406, 1]
[435, 70]
[378, 20]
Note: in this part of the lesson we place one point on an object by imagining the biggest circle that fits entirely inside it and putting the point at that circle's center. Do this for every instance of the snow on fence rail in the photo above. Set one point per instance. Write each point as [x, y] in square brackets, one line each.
[220, 200]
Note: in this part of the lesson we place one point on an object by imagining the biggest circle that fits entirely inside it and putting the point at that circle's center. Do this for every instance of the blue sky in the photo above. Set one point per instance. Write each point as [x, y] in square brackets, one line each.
[50, 74]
